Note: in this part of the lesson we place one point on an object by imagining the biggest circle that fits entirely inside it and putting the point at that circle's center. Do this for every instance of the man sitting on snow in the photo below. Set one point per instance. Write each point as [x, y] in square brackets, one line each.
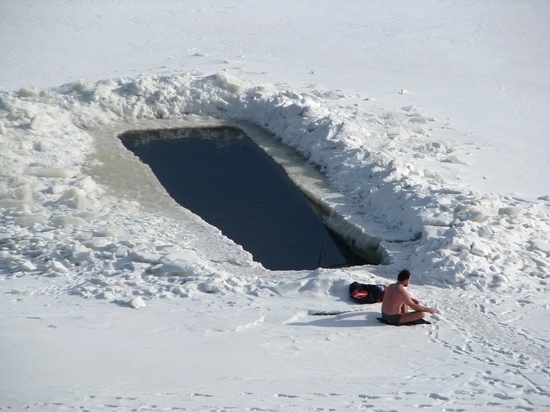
[397, 301]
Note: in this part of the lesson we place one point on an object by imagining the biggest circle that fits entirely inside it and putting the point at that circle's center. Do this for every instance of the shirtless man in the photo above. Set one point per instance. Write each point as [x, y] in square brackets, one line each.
[397, 301]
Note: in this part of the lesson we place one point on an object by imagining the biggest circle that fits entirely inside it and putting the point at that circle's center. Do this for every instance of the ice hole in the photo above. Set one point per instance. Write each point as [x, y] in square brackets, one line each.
[220, 174]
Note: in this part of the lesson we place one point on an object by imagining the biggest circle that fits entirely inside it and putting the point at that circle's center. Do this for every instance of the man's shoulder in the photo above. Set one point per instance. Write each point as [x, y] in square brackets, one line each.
[401, 288]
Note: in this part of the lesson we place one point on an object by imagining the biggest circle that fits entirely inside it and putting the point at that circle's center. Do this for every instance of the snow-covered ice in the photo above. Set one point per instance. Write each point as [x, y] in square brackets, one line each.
[421, 127]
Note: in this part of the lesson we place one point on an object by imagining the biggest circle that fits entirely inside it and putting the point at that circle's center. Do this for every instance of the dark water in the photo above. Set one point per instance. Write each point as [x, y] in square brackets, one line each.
[224, 177]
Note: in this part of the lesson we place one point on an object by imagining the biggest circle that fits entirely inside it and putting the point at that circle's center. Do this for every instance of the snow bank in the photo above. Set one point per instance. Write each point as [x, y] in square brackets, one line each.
[57, 220]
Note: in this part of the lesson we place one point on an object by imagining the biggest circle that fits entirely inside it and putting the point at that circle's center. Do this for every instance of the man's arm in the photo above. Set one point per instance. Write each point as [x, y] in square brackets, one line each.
[414, 304]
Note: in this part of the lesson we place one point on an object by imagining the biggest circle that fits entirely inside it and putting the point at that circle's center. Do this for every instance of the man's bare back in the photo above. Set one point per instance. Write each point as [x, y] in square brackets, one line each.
[397, 301]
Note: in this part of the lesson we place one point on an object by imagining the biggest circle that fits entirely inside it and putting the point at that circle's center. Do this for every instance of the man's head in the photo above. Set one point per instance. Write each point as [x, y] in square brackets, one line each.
[403, 277]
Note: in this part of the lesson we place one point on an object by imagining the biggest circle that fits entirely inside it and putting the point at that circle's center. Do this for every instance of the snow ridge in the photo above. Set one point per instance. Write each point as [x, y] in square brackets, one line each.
[58, 221]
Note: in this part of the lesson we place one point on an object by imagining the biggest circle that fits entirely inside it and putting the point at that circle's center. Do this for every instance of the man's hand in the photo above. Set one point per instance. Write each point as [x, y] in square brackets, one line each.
[431, 310]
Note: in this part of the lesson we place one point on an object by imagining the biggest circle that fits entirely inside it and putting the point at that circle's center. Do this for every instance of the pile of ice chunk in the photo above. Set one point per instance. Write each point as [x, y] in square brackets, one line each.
[57, 220]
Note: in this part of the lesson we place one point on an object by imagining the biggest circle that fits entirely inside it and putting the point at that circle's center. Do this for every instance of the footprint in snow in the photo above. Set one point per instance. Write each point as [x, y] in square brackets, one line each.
[438, 397]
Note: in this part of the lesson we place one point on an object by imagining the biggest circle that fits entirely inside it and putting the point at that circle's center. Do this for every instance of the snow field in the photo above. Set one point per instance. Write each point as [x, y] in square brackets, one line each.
[223, 351]
[215, 330]
[427, 122]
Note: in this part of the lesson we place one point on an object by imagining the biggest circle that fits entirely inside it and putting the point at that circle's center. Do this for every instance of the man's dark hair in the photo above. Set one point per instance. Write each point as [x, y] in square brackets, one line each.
[403, 275]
